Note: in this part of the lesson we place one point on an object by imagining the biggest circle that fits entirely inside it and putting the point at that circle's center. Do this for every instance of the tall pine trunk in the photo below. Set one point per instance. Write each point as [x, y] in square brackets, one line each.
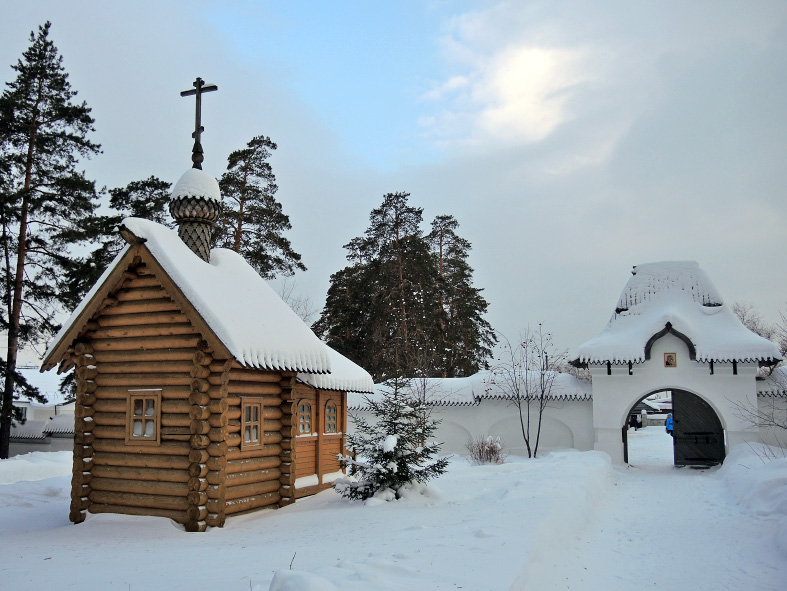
[16, 304]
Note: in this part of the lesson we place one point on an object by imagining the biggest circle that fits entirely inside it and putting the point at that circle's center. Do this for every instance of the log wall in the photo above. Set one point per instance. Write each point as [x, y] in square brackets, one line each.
[197, 473]
[289, 430]
[84, 425]
[252, 475]
[317, 453]
[139, 339]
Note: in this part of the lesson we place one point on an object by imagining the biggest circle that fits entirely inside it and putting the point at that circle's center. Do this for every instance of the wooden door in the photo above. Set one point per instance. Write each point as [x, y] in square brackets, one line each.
[699, 437]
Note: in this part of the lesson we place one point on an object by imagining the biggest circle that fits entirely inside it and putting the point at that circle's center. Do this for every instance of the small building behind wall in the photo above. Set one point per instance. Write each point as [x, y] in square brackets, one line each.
[671, 330]
[46, 427]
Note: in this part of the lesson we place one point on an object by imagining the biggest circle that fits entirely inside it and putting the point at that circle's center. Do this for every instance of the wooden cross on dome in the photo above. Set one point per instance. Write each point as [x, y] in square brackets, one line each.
[199, 87]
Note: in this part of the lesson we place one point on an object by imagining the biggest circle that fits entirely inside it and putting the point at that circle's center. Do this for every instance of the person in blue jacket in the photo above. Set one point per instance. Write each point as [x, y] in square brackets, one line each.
[668, 425]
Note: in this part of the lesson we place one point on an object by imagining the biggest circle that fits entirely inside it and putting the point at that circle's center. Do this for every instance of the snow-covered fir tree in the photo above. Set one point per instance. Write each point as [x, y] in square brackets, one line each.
[395, 449]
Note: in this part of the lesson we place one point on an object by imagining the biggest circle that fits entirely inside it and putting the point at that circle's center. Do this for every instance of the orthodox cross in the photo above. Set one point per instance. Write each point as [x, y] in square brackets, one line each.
[199, 87]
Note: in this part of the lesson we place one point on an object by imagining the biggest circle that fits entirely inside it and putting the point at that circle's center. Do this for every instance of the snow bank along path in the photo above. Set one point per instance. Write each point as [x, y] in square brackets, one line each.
[662, 527]
[565, 521]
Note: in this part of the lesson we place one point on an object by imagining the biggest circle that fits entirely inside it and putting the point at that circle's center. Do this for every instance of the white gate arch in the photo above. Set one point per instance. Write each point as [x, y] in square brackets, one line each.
[671, 330]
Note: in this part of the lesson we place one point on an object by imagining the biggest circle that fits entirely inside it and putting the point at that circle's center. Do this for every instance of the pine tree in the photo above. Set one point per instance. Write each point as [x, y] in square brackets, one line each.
[468, 338]
[252, 221]
[405, 306]
[393, 451]
[351, 320]
[145, 199]
[388, 311]
[45, 200]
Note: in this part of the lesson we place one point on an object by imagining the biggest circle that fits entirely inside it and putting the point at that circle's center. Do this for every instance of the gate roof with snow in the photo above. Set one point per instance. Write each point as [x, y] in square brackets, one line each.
[674, 297]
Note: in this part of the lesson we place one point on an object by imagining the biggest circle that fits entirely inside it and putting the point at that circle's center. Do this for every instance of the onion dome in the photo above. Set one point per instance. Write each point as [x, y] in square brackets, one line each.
[195, 205]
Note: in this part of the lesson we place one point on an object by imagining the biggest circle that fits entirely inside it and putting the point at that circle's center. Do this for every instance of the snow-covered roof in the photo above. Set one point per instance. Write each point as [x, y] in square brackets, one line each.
[345, 376]
[32, 430]
[677, 297]
[60, 425]
[242, 310]
[40, 429]
[473, 389]
[650, 404]
[197, 183]
[775, 385]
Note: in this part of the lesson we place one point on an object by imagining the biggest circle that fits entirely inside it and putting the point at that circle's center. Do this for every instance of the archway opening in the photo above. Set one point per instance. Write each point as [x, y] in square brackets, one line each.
[697, 438]
[645, 441]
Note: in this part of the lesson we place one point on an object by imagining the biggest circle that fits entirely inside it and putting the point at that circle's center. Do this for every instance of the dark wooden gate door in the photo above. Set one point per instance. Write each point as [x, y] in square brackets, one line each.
[699, 437]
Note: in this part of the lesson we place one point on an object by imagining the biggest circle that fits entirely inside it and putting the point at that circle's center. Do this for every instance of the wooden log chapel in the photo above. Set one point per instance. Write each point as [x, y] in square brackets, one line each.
[200, 393]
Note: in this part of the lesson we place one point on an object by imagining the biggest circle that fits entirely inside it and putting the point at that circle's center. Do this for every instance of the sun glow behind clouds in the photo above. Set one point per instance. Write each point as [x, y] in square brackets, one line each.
[517, 93]
[525, 90]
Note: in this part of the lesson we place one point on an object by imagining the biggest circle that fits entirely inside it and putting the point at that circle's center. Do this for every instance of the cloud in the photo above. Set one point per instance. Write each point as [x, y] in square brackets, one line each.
[506, 83]
[519, 93]
[525, 90]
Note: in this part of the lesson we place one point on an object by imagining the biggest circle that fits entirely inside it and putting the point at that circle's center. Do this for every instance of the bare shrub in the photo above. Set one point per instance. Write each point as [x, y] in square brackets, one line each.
[486, 450]
[525, 374]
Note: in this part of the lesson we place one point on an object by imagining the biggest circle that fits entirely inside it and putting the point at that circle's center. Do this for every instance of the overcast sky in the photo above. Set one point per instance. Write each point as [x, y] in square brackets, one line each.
[571, 140]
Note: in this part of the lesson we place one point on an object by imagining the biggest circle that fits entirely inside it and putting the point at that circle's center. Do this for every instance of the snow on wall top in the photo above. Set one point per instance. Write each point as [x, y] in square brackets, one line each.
[681, 294]
[345, 376]
[472, 389]
[31, 430]
[244, 312]
[775, 385]
[40, 429]
[60, 425]
[197, 183]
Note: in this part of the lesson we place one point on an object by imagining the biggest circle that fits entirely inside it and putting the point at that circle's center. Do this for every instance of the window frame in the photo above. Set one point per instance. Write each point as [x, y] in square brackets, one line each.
[335, 406]
[143, 394]
[301, 423]
[249, 402]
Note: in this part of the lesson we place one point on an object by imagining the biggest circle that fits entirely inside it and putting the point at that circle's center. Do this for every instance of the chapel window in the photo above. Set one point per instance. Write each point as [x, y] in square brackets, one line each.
[331, 418]
[304, 418]
[251, 422]
[143, 417]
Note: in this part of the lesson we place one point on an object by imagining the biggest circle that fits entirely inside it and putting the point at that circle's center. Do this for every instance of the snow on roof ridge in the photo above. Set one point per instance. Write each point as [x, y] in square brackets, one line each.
[258, 328]
[654, 280]
[677, 297]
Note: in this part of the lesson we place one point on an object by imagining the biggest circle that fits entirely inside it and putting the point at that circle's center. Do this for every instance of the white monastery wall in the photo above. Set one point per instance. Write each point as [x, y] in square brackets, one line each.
[566, 424]
[776, 408]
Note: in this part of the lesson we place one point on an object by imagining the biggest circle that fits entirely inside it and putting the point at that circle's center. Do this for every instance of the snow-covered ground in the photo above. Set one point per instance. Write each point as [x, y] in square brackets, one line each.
[566, 521]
